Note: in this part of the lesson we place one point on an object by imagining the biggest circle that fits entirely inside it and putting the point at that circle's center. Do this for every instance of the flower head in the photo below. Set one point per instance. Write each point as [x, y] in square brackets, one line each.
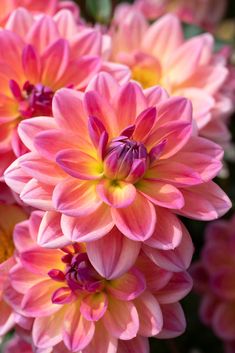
[75, 304]
[119, 157]
[38, 57]
[187, 68]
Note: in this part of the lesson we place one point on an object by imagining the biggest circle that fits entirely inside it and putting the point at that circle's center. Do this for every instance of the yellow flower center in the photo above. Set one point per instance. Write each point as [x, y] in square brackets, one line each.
[148, 77]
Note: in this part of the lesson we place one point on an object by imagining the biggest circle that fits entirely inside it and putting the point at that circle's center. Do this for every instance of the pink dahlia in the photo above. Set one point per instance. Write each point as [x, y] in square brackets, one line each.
[159, 54]
[116, 155]
[38, 56]
[109, 308]
[214, 278]
[49, 7]
[9, 216]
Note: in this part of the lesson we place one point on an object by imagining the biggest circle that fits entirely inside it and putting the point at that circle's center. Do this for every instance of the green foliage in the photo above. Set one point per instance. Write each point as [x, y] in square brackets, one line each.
[100, 10]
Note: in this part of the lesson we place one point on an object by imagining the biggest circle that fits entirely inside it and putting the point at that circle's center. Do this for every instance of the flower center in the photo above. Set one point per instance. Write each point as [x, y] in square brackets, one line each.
[148, 77]
[79, 276]
[34, 100]
[121, 157]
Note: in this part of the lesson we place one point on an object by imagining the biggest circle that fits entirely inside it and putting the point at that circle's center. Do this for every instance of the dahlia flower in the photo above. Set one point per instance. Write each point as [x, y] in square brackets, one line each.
[104, 308]
[116, 155]
[206, 13]
[49, 7]
[38, 56]
[214, 276]
[9, 216]
[187, 68]
[17, 344]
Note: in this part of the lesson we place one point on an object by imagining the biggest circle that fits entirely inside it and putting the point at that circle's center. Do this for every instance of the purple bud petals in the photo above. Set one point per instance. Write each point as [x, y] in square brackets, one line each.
[16, 91]
[138, 170]
[156, 152]
[56, 275]
[63, 295]
[128, 131]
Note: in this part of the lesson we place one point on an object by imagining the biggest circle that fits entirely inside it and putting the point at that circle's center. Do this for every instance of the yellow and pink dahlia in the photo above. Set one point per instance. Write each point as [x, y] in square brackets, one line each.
[214, 276]
[158, 54]
[106, 308]
[38, 56]
[116, 155]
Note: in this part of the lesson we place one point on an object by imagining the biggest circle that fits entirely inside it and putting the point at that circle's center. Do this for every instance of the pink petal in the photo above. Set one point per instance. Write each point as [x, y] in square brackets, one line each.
[127, 287]
[94, 306]
[176, 260]
[144, 123]
[22, 238]
[118, 195]
[68, 110]
[50, 234]
[79, 164]
[15, 177]
[40, 261]
[20, 21]
[223, 282]
[136, 345]
[86, 42]
[22, 280]
[90, 227]
[136, 221]
[155, 95]
[37, 195]
[43, 33]
[102, 341]
[121, 319]
[122, 254]
[47, 331]
[168, 233]
[29, 128]
[161, 194]
[37, 301]
[6, 319]
[174, 323]
[129, 103]
[150, 315]
[76, 198]
[31, 64]
[104, 84]
[205, 202]
[78, 332]
[87, 67]
[39, 168]
[176, 289]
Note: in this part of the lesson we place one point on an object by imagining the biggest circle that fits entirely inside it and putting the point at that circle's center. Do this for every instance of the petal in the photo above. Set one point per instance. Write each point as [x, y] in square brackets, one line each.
[118, 194]
[94, 306]
[88, 228]
[22, 280]
[15, 177]
[37, 195]
[161, 194]
[122, 254]
[39, 168]
[127, 287]
[174, 323]
[47, 331]
[20, 21]
[176, 260]
[87, 42]
[144, 124]
[50, 234]
[129, 103]
[205, 202]
[37, 301]
[168, 232]
[40, 261]
[223, 284]
[55, 61]
[102, 341]
[121, 319]
[176, 289]
[104, 84]
[79, 164]
[6, 319]
[29, 128]
[174, 109]
[150, 315]
[76, 198]
[78, 332]
[136, 345]
[163, 37]
[31, 64]
[136, 221]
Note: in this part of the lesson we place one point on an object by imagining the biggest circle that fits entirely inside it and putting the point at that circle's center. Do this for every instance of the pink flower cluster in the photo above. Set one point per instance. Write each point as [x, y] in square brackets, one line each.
[105, 140]
[214, 281]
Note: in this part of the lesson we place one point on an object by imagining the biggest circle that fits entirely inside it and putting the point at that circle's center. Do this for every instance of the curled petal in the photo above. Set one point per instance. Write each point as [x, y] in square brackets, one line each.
[94, 306]
[118, 195]
[174, 323]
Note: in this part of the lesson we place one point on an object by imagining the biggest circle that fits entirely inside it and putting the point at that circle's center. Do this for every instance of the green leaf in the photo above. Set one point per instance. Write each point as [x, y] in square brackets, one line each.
[191, 30]
[100, 10]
